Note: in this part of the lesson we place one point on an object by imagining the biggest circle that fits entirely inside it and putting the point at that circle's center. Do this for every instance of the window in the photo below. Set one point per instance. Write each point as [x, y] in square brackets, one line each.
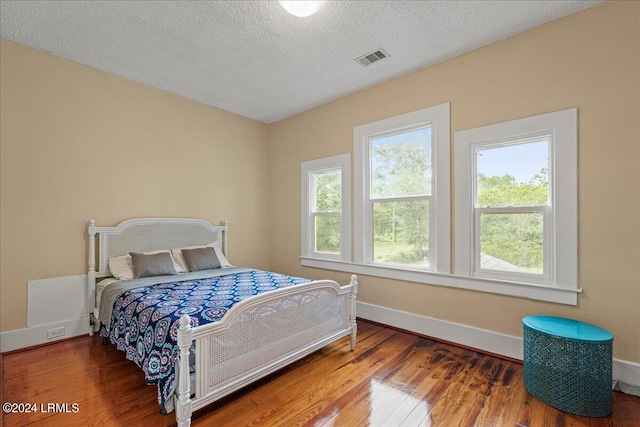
[516, 211]
[402, 191]
[516, 201]
[326, 208]
[511, 209]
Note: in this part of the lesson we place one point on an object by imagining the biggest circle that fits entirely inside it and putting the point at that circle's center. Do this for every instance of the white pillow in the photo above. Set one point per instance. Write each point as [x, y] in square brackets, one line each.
[121, 267]
[223, 260]
[217, 246]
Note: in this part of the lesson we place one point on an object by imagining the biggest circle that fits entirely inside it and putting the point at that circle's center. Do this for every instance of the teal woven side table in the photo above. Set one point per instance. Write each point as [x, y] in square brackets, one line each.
[568, 365]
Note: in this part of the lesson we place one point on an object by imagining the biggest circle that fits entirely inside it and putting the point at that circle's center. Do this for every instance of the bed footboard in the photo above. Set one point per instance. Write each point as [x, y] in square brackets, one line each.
[258, 336]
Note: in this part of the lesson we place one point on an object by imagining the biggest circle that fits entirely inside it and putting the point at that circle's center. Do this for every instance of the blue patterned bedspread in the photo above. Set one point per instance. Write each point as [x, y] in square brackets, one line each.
[145, 320]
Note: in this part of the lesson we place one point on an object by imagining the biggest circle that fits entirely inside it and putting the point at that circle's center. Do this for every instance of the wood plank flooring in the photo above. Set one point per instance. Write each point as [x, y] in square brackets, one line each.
[393, 379]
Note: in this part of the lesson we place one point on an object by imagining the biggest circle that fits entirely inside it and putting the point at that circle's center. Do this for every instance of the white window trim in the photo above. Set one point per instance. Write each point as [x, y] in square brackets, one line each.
[340, 162]
[440, 230]
[556, 294]
[561, 126]
[516, 289]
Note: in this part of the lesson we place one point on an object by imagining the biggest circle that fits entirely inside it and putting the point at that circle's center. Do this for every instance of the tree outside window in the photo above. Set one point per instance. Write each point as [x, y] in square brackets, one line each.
[327, 210]
[400, 193]
[512, 192]
[326, 199]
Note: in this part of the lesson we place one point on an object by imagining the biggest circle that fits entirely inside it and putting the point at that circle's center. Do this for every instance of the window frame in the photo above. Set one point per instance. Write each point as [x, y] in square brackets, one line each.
[309, 169]
[565, 291]
[548, 226]
[560, 231]
[437, 118]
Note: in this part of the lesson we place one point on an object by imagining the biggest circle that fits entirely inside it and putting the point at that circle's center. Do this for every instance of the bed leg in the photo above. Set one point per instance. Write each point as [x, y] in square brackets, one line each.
[92, 324]
[183, 403]
[105, 341]
[353, 337]
[352, 317]
[91, 274]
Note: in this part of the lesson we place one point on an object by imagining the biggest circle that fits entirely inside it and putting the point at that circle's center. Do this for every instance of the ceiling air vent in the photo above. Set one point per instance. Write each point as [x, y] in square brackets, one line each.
[371, 57]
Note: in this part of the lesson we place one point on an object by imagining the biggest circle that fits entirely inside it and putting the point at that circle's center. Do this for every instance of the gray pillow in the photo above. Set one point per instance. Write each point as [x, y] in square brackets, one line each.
[201, 259]
[151, 265]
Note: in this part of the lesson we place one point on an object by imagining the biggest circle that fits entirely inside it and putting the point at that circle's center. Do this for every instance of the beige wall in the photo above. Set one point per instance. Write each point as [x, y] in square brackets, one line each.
[78, 143]
[590, 60]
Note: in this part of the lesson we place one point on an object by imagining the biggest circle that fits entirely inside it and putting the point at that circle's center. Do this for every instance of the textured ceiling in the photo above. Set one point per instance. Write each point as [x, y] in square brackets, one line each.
[254, 59]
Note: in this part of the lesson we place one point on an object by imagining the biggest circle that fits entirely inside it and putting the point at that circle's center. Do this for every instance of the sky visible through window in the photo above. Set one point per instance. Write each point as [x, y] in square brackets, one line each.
[522, 161]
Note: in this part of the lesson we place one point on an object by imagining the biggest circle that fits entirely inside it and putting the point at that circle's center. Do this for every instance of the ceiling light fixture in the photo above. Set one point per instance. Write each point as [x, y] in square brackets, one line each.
[301, 8]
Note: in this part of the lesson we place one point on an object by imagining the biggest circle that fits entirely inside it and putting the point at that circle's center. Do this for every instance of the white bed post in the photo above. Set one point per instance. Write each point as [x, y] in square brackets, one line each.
[352, 317]
[183, 405]
[225, 248]
[91, 276]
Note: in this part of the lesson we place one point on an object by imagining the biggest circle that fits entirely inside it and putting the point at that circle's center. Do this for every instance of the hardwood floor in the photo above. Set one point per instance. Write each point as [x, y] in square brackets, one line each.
[392, 379]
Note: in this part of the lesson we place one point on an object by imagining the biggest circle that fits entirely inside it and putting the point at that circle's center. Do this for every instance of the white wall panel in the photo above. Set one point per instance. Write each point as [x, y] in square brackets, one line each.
[56, 300]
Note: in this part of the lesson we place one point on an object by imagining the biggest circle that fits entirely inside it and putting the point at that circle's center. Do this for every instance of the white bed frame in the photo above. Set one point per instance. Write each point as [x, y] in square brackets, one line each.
[255, 338]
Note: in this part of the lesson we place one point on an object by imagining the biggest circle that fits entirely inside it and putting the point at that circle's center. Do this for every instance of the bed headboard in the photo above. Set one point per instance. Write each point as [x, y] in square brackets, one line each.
[149, 234]
[144, 235]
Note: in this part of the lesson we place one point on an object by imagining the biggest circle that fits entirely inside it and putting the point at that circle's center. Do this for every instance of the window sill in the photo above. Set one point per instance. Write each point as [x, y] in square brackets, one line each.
[516, 289]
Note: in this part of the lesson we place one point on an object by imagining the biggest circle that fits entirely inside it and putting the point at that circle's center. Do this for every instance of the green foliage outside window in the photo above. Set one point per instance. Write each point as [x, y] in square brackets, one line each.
[401, 168]
[328, 187]
[516, 238]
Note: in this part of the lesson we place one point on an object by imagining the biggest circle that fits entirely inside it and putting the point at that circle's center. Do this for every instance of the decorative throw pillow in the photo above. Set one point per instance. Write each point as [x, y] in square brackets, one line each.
[201, 259]
[122, 269]
[217, 246]
[145, 265]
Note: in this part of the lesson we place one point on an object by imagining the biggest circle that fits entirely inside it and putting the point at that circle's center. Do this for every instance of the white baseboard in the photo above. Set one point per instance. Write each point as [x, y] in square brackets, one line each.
[626, 372]
[27, 337]
[469, 336]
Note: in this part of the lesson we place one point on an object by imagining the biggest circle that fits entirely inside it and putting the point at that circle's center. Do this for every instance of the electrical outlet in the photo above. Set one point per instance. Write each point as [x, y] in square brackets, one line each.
[55, 333]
